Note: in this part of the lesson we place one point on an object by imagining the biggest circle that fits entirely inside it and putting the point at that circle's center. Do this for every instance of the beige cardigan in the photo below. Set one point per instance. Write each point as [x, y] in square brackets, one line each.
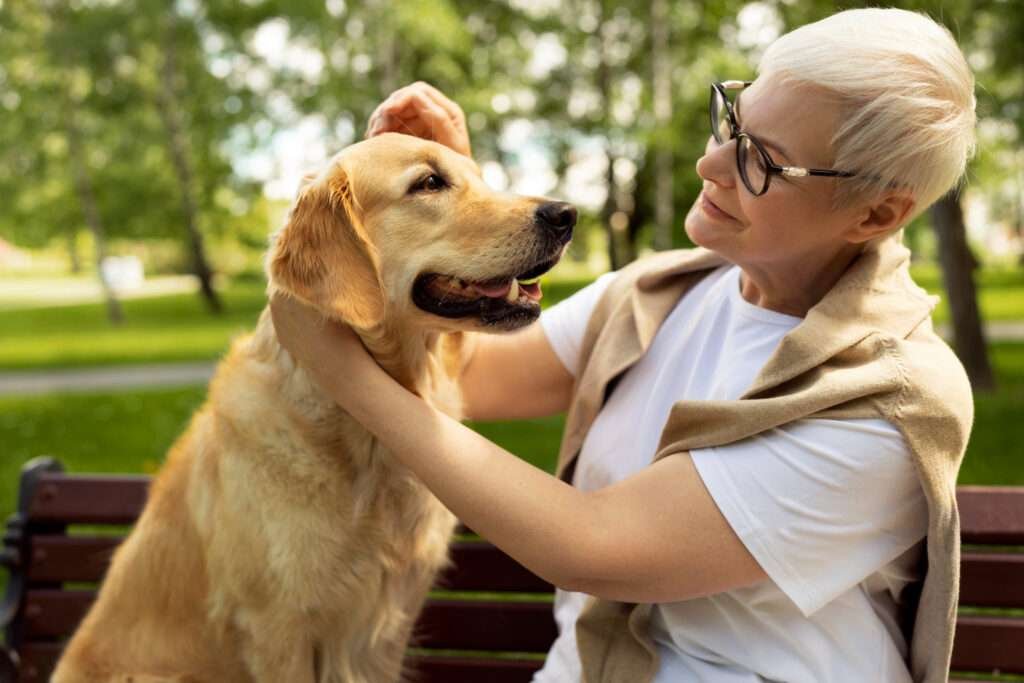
[866, 350]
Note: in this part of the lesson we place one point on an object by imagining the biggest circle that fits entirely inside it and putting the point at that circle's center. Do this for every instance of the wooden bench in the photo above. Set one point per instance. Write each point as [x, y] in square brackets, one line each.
[461, 638]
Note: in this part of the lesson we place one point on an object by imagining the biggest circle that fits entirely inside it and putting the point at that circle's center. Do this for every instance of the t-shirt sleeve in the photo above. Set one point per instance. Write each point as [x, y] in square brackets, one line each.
[821, 504]
[565, 323]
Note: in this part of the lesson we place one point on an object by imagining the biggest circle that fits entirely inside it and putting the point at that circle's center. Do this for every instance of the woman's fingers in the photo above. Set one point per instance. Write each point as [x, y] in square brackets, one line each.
[453, 110]
[423, 111]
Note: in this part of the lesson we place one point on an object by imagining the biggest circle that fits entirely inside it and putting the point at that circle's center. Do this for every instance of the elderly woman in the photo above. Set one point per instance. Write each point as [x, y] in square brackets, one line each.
[764, 431]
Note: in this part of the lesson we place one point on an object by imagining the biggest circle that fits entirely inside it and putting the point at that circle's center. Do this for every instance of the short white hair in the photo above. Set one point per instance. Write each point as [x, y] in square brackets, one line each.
[906, 98]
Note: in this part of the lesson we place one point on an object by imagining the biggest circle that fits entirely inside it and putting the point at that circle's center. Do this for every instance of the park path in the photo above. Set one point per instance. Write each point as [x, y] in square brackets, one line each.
[129, 377]
[122, 377]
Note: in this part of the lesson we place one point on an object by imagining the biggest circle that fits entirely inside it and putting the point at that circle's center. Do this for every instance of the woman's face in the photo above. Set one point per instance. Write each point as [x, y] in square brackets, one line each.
[793, 224]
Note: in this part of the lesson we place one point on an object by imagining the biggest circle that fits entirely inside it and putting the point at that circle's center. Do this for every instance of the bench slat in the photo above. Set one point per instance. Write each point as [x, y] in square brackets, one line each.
[70, 558]
[444, 624]
[52, 613]
[486, 625]
[479, 566]
[88, 498]
[427, 669]
[989, 644]
[991, 515]
[990, 580]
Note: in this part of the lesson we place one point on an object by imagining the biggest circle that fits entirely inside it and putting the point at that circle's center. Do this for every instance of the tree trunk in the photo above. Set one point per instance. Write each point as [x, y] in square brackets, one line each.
[73, 257]
[87, 198]
[177, 144]
[604, 86]
[1019, 204]
[661, 72]
[958, 264]
[607, 211]
[80, 171]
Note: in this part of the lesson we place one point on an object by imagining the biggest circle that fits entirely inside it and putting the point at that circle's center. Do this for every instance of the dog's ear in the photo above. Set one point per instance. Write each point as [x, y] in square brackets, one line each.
[324, 257]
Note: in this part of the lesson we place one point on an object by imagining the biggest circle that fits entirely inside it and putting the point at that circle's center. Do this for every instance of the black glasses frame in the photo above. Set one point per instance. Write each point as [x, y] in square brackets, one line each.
[719, 90]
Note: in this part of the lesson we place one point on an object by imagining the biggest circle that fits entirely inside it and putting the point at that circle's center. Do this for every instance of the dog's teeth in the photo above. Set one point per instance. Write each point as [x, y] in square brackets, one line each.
[513, 293]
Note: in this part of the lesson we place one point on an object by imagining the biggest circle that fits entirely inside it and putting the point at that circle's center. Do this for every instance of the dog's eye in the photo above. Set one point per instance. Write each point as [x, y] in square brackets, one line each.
[432, 183]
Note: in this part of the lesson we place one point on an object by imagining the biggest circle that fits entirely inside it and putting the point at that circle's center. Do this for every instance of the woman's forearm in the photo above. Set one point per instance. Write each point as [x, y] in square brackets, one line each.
[521, 509]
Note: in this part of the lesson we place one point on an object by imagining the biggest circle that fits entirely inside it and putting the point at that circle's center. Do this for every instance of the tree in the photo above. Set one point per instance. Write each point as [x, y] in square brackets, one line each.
[168, 99]
[958, 266]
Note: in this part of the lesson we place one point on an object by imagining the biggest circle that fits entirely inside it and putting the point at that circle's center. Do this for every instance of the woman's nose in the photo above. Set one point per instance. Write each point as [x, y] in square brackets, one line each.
[718, 165]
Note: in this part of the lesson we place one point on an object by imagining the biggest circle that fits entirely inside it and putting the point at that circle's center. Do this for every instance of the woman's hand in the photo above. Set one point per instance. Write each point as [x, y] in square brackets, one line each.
[422, 110]
[324, 348]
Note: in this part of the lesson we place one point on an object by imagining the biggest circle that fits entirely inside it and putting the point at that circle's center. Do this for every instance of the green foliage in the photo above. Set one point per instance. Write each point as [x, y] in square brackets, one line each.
[104, 62]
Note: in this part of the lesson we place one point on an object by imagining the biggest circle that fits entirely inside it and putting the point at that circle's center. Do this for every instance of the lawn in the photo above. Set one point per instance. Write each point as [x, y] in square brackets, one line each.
[178, 327]
[156, 330]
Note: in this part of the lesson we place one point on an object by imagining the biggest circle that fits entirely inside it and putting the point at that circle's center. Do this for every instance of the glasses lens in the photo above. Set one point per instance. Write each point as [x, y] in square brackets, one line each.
[753, 166]
[720, 128]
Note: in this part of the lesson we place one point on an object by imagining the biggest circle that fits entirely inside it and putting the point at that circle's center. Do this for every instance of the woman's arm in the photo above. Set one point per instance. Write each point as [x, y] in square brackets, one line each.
[656, 536]
[515, 376]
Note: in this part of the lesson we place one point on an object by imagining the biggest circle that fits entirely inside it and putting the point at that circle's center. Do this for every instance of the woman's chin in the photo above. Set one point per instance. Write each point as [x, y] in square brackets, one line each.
[701, 232]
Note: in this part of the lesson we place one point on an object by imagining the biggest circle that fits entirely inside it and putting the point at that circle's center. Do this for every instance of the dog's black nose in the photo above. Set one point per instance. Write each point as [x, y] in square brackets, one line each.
[557, 217]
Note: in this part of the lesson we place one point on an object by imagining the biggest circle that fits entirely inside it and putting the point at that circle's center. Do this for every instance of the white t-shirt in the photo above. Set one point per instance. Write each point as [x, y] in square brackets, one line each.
[832, 510]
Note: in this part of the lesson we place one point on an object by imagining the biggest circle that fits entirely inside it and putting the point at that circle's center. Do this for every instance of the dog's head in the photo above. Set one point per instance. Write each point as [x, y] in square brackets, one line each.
[398, 226]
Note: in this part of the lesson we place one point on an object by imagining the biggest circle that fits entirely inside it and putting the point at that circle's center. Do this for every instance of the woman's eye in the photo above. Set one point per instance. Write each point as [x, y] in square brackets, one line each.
[431, 183]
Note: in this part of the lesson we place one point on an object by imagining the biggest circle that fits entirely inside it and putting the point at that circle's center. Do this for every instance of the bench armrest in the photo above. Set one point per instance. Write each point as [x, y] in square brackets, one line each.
[8, 665]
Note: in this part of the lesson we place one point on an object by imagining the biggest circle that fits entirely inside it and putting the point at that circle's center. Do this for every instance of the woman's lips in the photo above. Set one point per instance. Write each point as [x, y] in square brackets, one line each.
[712, 209]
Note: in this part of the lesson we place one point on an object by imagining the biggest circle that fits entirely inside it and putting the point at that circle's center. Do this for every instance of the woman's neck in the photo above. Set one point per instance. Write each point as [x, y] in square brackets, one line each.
[795, 287]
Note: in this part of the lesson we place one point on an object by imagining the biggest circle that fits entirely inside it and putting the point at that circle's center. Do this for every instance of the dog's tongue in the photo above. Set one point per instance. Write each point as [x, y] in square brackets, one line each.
[495, 291]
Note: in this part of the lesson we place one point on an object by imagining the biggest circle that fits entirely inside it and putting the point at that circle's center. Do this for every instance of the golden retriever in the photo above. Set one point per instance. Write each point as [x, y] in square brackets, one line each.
[280, 543]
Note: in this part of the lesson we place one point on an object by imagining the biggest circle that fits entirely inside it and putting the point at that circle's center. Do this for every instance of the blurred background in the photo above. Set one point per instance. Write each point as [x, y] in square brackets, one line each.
[149, 147]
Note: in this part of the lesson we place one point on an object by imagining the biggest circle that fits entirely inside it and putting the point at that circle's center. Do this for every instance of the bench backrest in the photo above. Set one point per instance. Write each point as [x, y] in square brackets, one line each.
[60, 540]
[489, 620]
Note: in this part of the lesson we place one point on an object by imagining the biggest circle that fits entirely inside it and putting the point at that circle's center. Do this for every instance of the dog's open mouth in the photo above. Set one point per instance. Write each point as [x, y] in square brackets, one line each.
[507, 301]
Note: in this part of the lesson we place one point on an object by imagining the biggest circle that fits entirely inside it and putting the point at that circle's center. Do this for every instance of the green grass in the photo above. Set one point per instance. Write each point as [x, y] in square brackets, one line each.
[178, 327]
[156, 330]
[1000, 292]
[159, 329]
[996, 451]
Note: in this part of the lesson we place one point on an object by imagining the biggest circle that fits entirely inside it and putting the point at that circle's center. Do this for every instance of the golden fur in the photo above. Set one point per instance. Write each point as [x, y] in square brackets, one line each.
[280, 542]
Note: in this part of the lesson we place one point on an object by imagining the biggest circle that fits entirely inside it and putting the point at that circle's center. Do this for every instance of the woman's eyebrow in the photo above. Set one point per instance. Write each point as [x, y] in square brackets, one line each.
[767, 143]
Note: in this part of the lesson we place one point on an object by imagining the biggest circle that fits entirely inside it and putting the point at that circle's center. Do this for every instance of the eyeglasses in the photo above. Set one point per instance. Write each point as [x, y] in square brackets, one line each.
[755, 165]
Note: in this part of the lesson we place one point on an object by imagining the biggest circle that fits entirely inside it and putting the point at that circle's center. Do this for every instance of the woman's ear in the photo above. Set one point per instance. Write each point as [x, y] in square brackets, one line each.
[323, 255]
[884, 216]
